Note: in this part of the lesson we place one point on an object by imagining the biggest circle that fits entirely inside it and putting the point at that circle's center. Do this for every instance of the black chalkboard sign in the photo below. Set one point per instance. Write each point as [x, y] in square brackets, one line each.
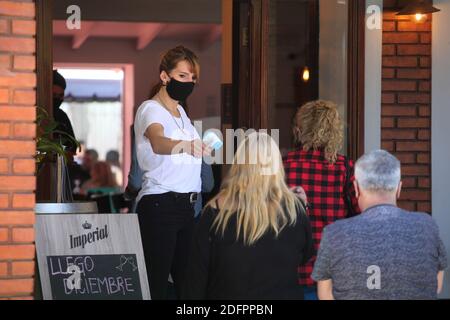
[91, 256]
[94, 277]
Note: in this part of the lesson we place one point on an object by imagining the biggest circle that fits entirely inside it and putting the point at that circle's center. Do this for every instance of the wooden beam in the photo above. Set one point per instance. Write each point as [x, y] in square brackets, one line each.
[83, 34]
[212, 36]
[147, 34]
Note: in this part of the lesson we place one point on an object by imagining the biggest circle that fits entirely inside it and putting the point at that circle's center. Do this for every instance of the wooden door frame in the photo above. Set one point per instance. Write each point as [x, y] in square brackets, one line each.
[44, 79]
[356, 77]
[250, 69]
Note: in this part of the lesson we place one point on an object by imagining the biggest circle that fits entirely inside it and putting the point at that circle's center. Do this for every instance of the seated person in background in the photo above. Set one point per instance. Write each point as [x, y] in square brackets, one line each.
[90, 157]
[112, 157]
[79, 174]
[78, 158]
[386, 252]
[253, 235]
[101, 178]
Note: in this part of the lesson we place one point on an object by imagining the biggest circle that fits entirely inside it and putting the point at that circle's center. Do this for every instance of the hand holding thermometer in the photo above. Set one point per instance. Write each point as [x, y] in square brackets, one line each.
[212, 140]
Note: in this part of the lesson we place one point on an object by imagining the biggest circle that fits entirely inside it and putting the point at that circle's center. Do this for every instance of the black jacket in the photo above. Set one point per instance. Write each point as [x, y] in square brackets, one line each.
[65, 126]
[221, 268]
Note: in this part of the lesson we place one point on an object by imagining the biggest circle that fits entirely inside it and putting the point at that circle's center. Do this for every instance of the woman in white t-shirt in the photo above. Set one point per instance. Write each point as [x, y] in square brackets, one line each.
[169, 151]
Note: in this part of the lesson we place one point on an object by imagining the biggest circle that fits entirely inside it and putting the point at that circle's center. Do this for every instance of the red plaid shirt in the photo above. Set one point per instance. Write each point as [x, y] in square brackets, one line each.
[325, 186]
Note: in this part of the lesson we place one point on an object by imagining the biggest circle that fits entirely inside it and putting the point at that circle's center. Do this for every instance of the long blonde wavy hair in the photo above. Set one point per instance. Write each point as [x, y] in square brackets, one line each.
[318, 125]
[255, 191]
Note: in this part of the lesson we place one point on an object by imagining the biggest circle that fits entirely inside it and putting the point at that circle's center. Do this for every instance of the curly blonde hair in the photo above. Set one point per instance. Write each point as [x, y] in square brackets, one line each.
[318, 125]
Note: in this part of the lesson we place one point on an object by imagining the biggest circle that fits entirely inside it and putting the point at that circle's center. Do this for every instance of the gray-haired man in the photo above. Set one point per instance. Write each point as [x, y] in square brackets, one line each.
[386, 252]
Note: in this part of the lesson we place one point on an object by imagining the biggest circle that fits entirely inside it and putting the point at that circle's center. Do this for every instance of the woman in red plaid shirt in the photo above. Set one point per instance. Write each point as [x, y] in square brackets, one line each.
[326, 176]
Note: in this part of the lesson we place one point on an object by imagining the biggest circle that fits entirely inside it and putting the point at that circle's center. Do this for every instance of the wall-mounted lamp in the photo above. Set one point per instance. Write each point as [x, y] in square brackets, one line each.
[305, 74]
[418, 10]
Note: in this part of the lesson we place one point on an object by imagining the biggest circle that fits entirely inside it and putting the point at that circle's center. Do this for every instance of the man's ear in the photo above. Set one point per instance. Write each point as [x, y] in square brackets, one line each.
[399, 190]
[357, 191]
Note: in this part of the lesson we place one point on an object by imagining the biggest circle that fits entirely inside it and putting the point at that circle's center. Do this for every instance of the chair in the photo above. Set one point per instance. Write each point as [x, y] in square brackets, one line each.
[109, 200]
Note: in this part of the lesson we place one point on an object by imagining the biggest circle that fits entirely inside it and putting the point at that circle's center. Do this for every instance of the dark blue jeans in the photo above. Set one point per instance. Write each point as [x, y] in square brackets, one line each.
[310, 293]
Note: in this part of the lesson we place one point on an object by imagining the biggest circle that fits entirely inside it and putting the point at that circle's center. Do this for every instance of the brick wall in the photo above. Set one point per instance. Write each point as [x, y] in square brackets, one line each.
[406, 103]
[17, 147]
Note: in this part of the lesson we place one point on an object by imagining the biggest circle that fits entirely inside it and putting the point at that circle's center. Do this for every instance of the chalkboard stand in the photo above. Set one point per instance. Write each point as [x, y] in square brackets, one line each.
[112, 266]
[46, 208]
[37, 283]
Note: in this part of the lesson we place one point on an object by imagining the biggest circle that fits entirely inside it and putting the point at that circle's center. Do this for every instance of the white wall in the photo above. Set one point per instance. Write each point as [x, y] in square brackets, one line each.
[372, 104]
[440, 126]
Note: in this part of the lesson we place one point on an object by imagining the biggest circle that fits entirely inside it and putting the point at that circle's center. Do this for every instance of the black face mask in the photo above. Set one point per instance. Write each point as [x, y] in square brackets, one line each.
[178, 90]
[57, 102]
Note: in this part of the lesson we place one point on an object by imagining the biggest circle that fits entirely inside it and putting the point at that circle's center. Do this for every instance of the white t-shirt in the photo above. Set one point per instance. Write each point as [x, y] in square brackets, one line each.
[164, 173]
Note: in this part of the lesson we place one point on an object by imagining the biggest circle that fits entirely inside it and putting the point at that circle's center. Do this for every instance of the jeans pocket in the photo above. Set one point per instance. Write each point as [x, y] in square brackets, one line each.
[147, 204]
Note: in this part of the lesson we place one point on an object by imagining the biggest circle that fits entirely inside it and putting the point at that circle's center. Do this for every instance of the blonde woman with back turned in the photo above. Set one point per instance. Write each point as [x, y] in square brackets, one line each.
[253, 235]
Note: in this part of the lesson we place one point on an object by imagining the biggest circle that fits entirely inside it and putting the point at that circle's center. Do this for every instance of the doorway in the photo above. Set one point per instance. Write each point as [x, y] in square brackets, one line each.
[132, 35]
[99, 103]
[288, 52]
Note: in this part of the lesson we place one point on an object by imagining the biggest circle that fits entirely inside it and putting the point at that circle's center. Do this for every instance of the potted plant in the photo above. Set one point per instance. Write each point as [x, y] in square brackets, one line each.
[50, 151]
[47, 146]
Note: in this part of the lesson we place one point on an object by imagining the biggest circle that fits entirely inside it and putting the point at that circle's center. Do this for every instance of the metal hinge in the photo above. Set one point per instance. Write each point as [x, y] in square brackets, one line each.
[245, 36]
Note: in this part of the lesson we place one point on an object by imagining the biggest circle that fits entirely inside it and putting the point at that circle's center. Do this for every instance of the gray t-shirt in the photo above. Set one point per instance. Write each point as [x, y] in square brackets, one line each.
[385, 253]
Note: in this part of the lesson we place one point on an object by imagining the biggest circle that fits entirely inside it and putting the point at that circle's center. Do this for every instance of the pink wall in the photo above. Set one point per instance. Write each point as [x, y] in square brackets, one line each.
[204, 102]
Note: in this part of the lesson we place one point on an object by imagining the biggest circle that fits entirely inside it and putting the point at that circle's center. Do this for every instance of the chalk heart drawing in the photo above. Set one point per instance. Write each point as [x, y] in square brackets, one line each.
[126, 260]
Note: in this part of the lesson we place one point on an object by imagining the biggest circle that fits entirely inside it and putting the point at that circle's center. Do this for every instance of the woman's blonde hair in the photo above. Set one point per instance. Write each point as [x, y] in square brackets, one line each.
[318, 125]
[255, 191]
